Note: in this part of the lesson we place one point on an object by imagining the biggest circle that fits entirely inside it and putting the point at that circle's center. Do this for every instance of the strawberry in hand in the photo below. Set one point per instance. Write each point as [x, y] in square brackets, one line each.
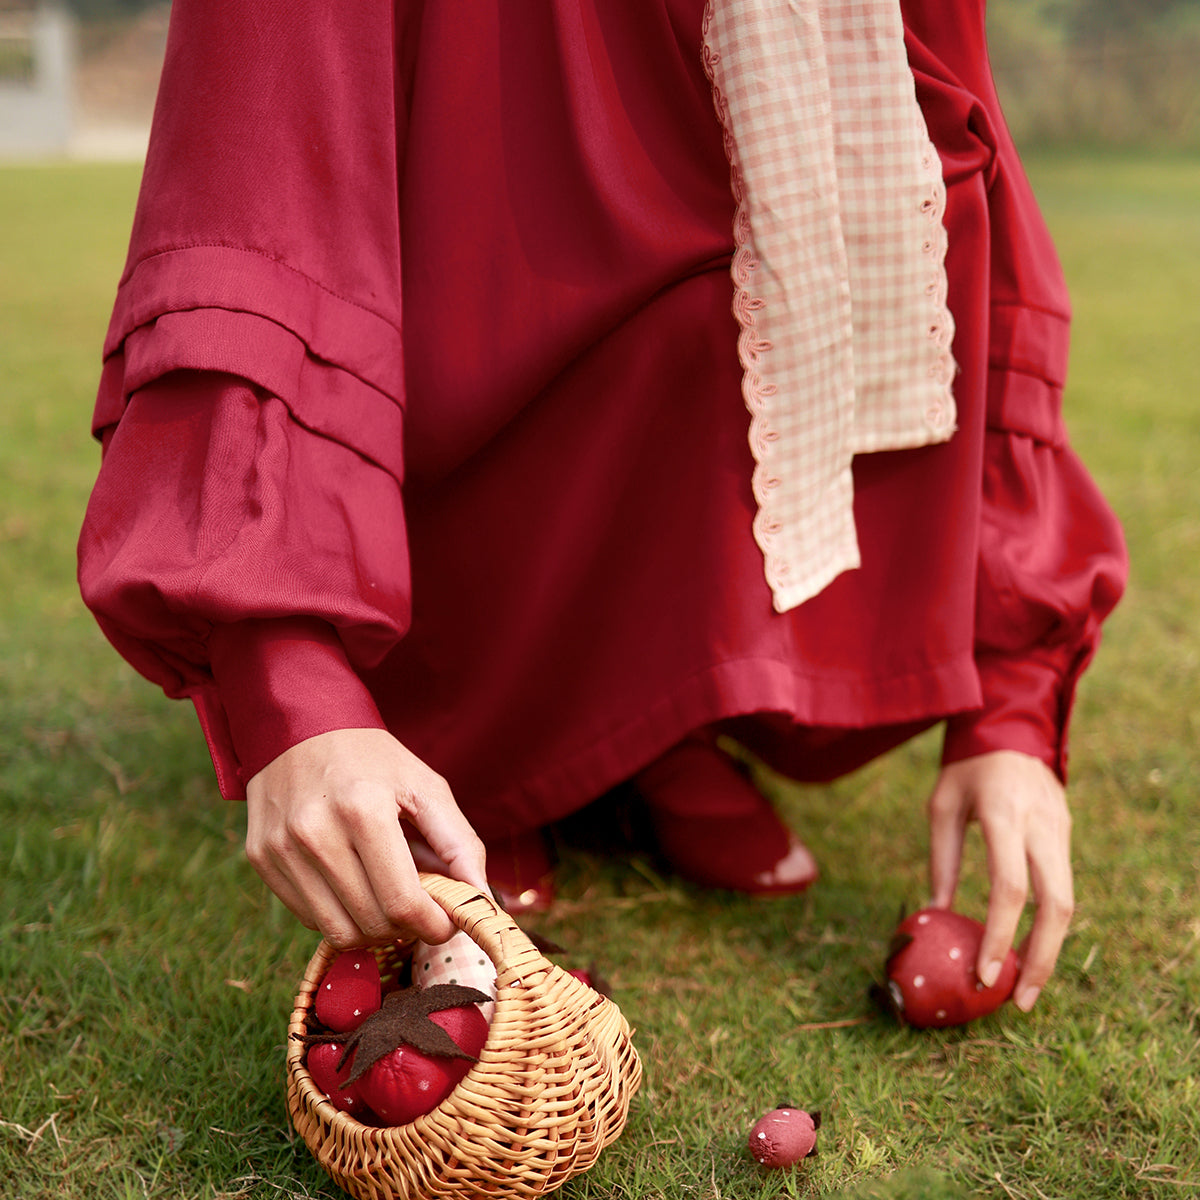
[931, 981]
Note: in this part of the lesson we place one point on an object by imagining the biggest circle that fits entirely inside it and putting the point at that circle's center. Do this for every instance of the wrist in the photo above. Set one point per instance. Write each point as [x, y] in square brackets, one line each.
[282, 680]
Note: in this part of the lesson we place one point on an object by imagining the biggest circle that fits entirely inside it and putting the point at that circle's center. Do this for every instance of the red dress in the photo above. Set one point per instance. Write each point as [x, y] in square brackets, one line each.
[421, 409]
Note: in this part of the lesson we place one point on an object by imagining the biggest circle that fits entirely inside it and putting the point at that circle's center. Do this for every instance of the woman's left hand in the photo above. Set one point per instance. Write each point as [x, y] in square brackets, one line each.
[1022, 812]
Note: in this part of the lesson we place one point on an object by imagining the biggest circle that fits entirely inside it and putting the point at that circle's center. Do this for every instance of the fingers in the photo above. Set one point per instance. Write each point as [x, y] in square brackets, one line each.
[1022, 813]
[313, 862]
[431, 808]
[1009, 876]
[360, 854]
[947, 834]
[323, 831]
[292, 899]
[1053, 886]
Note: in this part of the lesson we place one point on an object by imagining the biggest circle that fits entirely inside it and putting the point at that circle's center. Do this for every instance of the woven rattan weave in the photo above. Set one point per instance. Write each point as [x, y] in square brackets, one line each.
[551, 1088]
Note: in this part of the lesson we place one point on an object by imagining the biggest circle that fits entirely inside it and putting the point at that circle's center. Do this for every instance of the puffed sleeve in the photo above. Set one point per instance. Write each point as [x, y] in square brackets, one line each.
[241, 561]
[244, 545]
[1052, 566]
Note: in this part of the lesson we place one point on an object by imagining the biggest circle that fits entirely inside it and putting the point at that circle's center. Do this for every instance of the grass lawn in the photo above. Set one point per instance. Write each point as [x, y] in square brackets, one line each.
[146, 975]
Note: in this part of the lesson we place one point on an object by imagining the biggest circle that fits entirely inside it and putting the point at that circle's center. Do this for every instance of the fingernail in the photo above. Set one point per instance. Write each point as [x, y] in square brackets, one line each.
[1027, 998]
[990, 973]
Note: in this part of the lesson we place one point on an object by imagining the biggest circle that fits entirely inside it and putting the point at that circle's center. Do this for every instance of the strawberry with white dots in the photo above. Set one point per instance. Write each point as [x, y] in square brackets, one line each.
[350, 992]
[322, 1063]
[422, 1041]
[931, 971]
[784, 1136]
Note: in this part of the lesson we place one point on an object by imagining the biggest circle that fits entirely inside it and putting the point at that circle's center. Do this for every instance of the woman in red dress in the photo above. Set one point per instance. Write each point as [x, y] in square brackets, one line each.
[426, 474]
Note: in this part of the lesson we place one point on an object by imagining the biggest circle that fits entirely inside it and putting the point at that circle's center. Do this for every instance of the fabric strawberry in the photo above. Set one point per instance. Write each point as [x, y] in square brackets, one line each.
[784, 1136]
[406, 1058]
[349, 992]
[406, 1083]
[931, 971]
[322, 1066]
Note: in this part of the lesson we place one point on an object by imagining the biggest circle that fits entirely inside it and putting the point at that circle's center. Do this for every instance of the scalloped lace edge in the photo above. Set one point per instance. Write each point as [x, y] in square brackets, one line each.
[758, 393]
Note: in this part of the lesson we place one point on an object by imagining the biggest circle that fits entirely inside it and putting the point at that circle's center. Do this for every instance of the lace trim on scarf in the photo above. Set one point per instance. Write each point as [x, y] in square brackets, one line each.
[850, 411]
[758, 394]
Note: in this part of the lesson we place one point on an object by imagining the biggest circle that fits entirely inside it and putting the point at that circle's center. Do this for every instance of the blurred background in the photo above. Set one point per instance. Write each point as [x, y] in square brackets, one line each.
[78, 78]
[146, 974]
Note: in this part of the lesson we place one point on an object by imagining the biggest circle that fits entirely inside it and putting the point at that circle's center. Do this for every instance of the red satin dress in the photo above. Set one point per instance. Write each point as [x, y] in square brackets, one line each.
[421, 410]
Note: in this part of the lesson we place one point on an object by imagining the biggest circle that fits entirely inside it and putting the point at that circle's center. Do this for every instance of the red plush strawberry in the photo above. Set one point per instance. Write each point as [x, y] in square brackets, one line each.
[349, 992]
[322, 1063]
[784, 1136]
[406, 1083]
[931, 971]
[406, 1058]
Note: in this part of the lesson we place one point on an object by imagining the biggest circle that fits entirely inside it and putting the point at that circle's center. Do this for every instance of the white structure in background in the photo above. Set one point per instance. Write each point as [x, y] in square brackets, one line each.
[37, 59]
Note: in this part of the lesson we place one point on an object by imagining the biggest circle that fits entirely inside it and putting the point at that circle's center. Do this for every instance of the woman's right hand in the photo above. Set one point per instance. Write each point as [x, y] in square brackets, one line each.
[323, 830]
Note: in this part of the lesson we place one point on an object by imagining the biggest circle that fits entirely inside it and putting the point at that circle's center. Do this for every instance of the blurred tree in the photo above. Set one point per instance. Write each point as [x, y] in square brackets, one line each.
[1093, 21]
[1098, 72]
[93, 9]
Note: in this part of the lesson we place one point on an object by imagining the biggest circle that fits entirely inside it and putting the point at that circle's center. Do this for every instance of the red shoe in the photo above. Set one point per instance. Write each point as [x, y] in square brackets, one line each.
[715, 828]
[519, 869]
[521, 872]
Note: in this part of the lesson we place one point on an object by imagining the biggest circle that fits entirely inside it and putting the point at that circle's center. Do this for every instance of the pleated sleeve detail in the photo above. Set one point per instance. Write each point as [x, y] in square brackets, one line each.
[246, 532]
[213, 508]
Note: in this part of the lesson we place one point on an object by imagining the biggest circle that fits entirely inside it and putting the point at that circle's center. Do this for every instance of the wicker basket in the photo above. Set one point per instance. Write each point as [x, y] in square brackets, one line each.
[551, 1088]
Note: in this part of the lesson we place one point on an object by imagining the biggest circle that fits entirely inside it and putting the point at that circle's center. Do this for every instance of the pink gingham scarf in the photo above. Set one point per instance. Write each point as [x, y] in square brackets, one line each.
[839, 276]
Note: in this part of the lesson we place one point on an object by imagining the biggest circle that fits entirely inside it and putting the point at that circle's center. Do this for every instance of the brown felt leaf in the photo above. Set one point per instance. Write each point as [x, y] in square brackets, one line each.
[403, 1021]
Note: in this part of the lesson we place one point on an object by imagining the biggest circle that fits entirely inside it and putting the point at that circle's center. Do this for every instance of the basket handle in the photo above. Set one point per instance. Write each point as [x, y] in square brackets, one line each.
[484, 921]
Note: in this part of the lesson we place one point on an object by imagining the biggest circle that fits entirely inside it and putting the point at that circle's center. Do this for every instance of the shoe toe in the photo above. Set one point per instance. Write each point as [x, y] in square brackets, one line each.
[795, 871]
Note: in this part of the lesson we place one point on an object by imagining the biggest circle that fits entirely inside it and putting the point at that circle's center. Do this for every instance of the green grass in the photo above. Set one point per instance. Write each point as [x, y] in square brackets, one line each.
[146, 975]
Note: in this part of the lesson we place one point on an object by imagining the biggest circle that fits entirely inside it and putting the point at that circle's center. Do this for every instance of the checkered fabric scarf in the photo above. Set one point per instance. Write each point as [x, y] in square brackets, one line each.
[839, 267]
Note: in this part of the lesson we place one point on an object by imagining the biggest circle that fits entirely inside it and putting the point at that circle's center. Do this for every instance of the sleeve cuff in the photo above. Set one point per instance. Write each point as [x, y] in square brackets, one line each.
[278, 681]
[1026, 708]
